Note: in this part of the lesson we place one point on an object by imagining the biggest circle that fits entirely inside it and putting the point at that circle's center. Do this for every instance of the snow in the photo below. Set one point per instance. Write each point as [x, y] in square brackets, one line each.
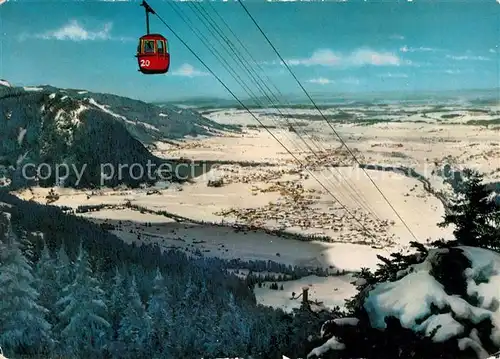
[494, 356]
[410, 298]
[59, 115]
[465, 343]
[82, 92]
[446, 327]
[485, 266]
[340, 322]
[331, 344]
[19, 297]
[62, 117]
[52, 96]
[103, 108]
[20, 137]
[31, 88]
[346, 321]
[146, 125]
[330, 291]
[5, 83]
[78, 111]
[163, 115]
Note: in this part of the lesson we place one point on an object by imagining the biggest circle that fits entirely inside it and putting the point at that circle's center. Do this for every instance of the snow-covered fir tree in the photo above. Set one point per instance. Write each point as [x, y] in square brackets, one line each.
[23, 323]
[46, 283]
[135, 326]
[233, 325]
[205, 315]
[84, 314]
[189, 317]
[473, 213]
[64, 268]
[117, 302]
[159, 310]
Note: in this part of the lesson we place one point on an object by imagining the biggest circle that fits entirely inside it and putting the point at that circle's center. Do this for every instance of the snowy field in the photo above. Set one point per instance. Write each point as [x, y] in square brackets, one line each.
[277, 193]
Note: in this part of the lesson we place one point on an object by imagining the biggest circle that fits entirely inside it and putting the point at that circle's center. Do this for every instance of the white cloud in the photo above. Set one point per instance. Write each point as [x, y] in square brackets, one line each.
[397, 37]
[187, 70]
[394, 75]
[322, 57]
[452, 72]
[351, 81]
[468, 58]
[321, 81]
[74, 31]
[369, 57]
[360, 57]
[418, 49]
[326, 81]
[492, 51]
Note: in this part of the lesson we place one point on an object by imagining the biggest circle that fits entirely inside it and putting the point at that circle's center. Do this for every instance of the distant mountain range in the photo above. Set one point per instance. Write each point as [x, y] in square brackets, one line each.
[80, 128]
[472, 96]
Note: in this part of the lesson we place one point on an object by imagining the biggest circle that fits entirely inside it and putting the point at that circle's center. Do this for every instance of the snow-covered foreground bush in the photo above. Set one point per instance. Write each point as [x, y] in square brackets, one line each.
[445, 306]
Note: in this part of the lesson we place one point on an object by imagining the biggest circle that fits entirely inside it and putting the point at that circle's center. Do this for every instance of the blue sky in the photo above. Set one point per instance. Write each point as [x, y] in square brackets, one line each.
[332, 47]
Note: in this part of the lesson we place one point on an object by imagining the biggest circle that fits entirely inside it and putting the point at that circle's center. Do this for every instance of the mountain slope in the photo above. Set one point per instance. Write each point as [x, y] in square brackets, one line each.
[145, 121]
[43, 125]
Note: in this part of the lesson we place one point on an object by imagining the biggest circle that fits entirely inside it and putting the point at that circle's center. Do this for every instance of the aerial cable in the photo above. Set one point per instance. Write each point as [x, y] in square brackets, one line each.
[355, 195]
[362, 202]
[211, 47]
[365, 230]
[214, 50]
[326, 119]
[226, 65]
[246, 67]
[238, 58]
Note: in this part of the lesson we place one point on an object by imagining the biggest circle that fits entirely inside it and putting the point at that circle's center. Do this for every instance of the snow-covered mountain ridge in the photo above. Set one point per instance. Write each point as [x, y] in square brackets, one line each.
[75, 127]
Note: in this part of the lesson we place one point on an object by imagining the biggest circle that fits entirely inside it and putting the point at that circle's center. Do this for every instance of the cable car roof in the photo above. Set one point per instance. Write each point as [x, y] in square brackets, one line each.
[153, 37]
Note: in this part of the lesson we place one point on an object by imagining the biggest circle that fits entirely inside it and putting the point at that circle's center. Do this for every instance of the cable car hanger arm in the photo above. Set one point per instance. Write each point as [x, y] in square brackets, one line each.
[148, 9]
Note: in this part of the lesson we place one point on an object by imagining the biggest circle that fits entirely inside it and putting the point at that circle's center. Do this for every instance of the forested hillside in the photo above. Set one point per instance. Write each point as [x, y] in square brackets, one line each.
[81, 292]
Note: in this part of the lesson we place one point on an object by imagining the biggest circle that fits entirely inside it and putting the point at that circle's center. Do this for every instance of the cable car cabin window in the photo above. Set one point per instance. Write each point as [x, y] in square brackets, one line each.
[149, 46]
[161, 47]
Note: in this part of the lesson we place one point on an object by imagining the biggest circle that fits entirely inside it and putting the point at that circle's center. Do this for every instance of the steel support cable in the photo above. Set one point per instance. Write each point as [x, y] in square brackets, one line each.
[326, 119]
[245, 68]
[213, 50]
[255, 99]
[365, 230]
[357, 195]
[217, 55]
[248, 69]
[226, 65]
[257, 102]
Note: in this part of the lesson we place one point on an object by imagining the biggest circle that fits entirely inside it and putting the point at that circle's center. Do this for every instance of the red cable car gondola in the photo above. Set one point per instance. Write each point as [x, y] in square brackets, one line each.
[152, 51]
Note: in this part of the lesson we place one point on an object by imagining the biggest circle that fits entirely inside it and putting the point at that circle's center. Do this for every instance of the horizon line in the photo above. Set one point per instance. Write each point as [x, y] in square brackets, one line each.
[299, 96]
